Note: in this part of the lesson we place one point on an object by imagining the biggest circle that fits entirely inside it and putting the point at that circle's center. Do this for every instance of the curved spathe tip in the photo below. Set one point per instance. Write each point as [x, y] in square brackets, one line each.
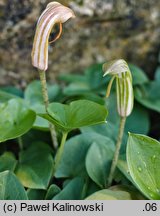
[54, 13]
[115, 67]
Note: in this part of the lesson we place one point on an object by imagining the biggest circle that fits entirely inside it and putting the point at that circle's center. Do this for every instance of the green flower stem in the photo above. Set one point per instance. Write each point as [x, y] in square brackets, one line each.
[42, 75]
[60, 151]
[20, 142]
[116, 153]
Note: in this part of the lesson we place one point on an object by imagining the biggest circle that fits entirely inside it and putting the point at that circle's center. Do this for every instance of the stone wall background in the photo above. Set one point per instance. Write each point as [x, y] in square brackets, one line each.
[103, 30]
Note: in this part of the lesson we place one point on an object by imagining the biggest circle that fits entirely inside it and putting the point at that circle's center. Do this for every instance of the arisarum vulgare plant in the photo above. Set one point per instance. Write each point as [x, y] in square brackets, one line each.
[120, 71]
[55, 13]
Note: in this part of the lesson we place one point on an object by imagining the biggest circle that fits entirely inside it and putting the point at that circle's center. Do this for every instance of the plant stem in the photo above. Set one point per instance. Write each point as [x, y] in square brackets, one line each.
[116, 153]
[42, 75]
[20, 142]
[60, 151]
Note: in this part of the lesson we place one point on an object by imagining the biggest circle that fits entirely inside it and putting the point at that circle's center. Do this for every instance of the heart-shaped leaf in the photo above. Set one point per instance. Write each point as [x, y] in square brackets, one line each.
[15, 119]
[10, 187]
[36, 166]
[144, 162]
[75, 115]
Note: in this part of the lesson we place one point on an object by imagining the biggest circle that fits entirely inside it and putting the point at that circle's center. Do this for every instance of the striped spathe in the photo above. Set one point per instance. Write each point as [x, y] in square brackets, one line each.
[54, 13]
[124, 90]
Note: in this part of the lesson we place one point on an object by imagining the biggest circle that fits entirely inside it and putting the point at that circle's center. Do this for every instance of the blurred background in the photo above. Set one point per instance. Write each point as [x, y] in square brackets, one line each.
[103, 30]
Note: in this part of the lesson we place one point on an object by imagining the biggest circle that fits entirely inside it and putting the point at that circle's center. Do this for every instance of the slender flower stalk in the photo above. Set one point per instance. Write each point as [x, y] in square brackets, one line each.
[124, 91]
[20, 142]
[117, 150]
[46, 103]
[60, 151]
[55, 13]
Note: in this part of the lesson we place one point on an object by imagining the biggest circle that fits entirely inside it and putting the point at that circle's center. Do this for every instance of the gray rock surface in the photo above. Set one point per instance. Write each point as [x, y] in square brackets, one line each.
[103, 30]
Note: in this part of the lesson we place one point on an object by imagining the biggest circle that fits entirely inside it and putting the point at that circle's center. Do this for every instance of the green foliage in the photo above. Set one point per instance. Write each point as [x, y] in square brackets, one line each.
[53, 190]
[9, 184]
[134, 193]
[72, 191]
[91, 81]
[123, 167]
[34, 194]
[79, 106]
[143, 161]
[33, 93]
[4, 96]
[138, 121]
[7, 161]
[139, 76]
[107, 194]
[98, 161]
[74, 165]
[157, 74]
[75, 115]
[149, 95]
[34, 98]
[32, 162]
[77, 148]
[12, 91]
[15, 119]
